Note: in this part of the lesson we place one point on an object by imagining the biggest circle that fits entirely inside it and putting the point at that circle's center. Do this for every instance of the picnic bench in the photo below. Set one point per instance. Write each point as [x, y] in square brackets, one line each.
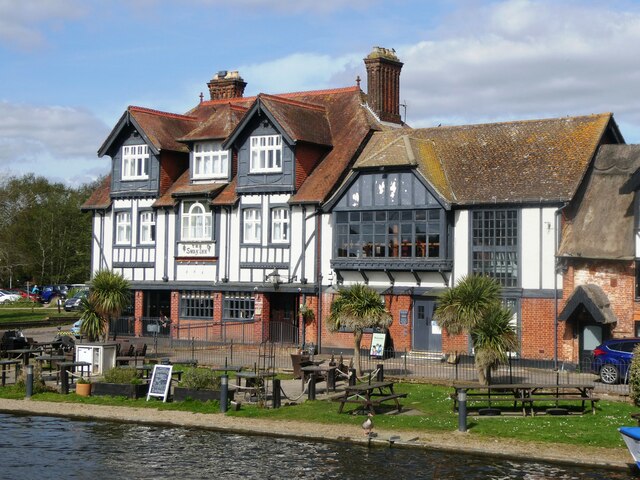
[16, 369]
[125, 355]
[369, 395]
[527, 395]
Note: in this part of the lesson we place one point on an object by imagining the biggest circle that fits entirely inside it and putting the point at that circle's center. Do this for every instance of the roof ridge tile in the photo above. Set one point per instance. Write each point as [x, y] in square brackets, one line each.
[135, 108]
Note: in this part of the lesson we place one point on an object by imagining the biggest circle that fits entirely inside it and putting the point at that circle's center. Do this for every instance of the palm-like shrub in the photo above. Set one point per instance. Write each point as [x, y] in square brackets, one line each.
[634, 377]
[474, 306]
[93, 324]
[356, 308]
[109, 294]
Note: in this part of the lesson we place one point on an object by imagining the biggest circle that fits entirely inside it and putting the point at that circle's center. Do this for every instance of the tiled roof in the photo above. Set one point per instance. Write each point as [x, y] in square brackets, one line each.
[301, 121]
[227, 196]
[535, 160]
[100, 198]
[162, 128]
[604, 207]
[184, 188]
[221, 122]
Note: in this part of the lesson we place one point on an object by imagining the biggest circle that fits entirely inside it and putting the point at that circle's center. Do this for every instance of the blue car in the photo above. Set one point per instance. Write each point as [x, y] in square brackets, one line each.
[612, 358]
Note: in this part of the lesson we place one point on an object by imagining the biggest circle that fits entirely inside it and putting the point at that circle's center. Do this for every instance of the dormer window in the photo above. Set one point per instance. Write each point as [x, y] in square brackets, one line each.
[135, 162]
[266, 154]
[209, 160]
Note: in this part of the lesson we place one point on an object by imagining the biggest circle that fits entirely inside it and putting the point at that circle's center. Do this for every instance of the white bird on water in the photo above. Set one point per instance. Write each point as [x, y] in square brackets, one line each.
[367, 425]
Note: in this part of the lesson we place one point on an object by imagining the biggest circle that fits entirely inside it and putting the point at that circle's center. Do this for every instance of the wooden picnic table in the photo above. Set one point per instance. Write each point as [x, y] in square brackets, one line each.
[24, 353]
[526, 394]
[369, 395]
[16, 369]
[326, 372]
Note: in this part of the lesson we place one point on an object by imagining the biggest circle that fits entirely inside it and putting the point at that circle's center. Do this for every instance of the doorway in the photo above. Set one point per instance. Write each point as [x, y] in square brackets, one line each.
[427, 335]
[590, 335]
[283, 323]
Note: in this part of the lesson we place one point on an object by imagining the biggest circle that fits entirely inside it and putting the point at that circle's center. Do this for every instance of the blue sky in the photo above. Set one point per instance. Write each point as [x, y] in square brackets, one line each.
[69, 68]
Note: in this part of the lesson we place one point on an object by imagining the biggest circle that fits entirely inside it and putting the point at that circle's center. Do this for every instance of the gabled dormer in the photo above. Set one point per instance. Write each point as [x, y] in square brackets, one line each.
[209, 160]
[146, 158]
[278, 143]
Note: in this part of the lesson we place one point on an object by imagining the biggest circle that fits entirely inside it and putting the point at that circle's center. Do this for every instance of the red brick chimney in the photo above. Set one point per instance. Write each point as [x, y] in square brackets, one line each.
[226, 85]
[383, 83]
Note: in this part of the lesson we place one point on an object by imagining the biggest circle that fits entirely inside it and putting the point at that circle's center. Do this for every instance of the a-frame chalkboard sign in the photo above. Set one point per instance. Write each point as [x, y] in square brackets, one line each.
[160, 382]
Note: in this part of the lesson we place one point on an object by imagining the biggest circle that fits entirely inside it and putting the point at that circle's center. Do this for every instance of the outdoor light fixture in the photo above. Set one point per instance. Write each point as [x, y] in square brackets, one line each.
[274, 278]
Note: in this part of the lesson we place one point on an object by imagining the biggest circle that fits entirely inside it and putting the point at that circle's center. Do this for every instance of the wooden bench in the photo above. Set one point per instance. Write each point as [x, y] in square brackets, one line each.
[489, 399]
[562, 397]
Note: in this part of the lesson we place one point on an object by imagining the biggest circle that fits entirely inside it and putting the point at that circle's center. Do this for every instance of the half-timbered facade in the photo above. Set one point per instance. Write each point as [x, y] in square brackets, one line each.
[245, 208]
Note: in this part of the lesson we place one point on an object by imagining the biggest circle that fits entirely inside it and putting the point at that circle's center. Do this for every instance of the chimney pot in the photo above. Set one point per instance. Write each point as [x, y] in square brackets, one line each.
[226, 85]
[383, 83]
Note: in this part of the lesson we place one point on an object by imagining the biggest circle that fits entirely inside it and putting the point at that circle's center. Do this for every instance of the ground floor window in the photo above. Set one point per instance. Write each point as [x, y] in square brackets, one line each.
[238, 306]
[196, 304]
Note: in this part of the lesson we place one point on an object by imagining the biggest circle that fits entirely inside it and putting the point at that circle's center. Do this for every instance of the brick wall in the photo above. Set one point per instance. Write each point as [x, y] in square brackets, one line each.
[537, 328]
[307, 157]
[172, 165]
[138, 310]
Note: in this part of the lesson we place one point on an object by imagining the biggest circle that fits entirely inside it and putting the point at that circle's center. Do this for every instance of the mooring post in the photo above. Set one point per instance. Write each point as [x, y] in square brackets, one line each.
[64, 379]
[352, 377]
[277, 393]
[312, 387]
[29, 381]
[380, 374]
[224, 392]
[462, 410]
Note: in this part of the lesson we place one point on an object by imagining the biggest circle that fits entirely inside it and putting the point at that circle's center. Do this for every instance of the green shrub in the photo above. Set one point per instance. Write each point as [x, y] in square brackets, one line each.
[634, 377]
[122, 375]
[200, 379]
[38, 382]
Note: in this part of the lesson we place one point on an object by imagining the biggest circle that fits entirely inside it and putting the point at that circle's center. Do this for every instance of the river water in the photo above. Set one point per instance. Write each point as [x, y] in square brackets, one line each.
[37, 447]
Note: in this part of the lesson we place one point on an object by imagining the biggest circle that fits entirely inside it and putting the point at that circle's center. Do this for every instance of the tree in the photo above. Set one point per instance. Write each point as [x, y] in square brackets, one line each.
[109, 294]
[93, 324]
[473, 306]
[356, 308]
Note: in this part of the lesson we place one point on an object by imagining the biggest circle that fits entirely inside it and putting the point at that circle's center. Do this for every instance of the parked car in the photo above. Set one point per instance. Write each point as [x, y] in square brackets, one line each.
[75, 328]
[6, 296]
[50, 292]
[612, 358]
[74, 302]
[34, 297]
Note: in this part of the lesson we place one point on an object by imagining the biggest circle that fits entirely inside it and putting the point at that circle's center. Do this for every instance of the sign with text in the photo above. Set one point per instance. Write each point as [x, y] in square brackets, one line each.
[160, 382]
[196, 249]
[377, 345]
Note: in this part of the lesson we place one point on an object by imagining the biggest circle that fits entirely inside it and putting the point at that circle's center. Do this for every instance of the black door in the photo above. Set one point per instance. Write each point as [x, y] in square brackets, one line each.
[283, 324]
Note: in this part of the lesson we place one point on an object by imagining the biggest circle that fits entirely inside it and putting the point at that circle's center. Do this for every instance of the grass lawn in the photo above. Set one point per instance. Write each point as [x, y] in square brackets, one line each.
[599, 430]
[31, 312]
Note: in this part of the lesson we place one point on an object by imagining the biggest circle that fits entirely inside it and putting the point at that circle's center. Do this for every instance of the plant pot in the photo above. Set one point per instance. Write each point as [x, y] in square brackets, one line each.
[181, 394]
[83, 389]
[128, 390]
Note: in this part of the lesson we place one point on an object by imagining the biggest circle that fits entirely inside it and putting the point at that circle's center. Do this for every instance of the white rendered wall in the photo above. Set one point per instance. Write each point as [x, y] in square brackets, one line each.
[461, 245]
[538, 232]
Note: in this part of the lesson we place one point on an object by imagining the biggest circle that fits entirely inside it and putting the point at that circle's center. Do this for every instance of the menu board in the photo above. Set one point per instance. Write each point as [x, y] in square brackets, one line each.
[378, 341]
[160, 382]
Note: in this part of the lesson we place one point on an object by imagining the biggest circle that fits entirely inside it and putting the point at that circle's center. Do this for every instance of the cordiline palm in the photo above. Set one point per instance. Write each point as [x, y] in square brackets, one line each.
[109, 293]
[460, 308]
[493, 338]
[356, 308]
[93, 325]
[473, 306]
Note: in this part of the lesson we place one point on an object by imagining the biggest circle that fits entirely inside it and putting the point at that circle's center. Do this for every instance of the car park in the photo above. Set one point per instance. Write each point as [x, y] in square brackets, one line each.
[611, 359]
[74, 302]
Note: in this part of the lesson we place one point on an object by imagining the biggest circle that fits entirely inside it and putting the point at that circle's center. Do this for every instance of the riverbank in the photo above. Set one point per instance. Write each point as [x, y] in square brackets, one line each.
[451, 441]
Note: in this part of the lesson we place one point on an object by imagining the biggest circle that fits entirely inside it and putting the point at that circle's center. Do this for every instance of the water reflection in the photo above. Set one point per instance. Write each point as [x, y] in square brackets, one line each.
[53, 448]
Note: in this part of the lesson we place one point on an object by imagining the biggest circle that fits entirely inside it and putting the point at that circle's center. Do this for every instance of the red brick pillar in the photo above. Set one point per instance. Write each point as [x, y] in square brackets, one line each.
[138, 312]
[175, 313]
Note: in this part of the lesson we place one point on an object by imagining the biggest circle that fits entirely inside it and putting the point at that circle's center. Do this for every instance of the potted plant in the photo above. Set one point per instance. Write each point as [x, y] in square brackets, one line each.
[83, 387]
[199, 384]
[121, 382]
[306, 313]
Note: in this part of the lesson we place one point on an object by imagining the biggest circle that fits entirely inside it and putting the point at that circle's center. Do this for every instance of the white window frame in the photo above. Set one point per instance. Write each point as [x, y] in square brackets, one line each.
[123, 228]
[196, 222]
[209, 160]
[265, 154]
[280, 231]
[252, 225]
[135, 162]
[147, 227]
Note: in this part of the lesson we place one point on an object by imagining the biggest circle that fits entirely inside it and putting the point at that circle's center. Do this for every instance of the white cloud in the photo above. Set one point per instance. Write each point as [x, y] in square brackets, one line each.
[21, 22]
[57, 142]
[524, 59]
[300, 71]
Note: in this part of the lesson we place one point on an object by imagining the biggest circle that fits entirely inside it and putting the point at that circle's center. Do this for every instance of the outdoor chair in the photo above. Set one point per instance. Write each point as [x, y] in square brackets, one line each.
[296, 362]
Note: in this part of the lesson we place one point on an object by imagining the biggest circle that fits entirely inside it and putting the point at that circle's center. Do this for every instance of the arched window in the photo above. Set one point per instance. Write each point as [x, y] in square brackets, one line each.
[196, 222]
